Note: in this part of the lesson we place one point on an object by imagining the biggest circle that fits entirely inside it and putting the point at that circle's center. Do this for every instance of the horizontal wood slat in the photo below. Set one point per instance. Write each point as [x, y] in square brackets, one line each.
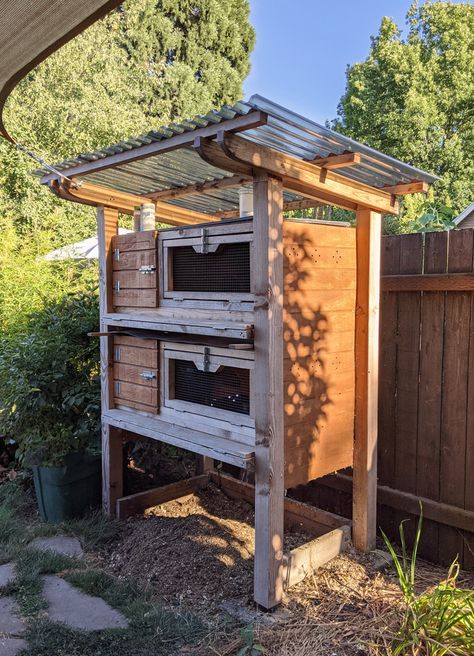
[429, 282]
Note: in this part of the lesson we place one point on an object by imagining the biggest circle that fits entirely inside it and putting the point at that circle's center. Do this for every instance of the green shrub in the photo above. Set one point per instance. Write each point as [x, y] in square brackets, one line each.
[50, 381]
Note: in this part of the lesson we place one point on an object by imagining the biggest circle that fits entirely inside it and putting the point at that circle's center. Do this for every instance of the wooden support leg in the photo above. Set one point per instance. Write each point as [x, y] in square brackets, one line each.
[112, 468]
[107, 226]
[364, 526]
[269, 456]
[204, 464]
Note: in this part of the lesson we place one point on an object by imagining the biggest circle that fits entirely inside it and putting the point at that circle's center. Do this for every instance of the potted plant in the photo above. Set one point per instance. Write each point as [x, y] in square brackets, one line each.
[50, 404]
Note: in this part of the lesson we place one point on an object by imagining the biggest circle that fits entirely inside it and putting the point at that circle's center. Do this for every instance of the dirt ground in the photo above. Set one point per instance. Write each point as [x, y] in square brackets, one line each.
[197, 554]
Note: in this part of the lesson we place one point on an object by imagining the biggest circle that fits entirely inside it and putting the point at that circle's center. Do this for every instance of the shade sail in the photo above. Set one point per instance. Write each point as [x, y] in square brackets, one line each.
[30, 30]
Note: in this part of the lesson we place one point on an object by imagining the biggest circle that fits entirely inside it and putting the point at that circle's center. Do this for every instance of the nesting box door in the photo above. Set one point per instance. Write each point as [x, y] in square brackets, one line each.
[207, 267]
[135, 271]
[208, 382]
[136, 373]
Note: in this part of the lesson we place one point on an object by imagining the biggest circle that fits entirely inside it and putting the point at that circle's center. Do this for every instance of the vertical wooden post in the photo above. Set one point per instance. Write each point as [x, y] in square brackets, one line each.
[364, 520]
[112, 483]
[269, 455]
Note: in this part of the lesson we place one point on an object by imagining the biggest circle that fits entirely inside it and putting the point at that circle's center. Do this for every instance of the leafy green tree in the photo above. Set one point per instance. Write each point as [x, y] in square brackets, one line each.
[413, 98]
[144, 65]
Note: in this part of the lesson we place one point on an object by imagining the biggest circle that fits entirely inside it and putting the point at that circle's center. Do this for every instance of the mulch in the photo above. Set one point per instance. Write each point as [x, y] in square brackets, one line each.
[197, 553]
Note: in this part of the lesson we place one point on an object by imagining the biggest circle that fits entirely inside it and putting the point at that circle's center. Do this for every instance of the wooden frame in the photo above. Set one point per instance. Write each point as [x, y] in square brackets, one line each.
[256, 444]
[332, 533]
[112, 483]
[369, 232]
[204, 238]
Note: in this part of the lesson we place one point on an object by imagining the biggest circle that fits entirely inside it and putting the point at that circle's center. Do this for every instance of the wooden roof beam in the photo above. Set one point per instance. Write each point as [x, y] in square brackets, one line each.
[198, 188]
[337, 161]
[211, 153]
[241, 155]
[253, 119]
[402, 189]
[125, 203]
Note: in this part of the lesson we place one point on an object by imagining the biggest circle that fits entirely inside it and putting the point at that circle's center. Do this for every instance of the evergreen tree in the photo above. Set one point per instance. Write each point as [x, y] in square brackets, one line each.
[413, 98]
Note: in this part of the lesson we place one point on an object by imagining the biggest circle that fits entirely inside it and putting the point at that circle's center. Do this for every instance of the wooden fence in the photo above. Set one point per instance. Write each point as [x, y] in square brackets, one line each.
[426, 395]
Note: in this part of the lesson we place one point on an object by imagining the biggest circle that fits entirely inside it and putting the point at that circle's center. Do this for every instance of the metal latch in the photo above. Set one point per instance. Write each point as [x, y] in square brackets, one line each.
[148, 375]
[147, 269]
[205, 247]
[206, 365]
[206, 361]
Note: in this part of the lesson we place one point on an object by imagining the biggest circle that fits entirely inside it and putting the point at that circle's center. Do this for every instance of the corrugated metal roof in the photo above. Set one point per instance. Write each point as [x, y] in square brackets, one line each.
[284, 131]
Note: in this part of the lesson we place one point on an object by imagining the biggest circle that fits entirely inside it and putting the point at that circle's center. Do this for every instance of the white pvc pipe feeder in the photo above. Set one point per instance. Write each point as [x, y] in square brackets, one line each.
[246, 201]
[144, 217]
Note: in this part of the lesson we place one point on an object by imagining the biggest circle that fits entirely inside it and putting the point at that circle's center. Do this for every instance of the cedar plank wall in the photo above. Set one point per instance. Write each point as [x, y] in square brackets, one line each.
[318, 333]
[426, 403]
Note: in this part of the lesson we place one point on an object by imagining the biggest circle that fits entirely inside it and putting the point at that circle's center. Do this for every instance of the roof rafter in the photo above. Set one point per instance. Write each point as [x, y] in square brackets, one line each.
[337, 161]
[199, 187]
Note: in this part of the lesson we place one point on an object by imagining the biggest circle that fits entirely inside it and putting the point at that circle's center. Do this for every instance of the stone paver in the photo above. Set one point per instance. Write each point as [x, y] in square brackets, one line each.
[70, 606]
[11, 646]
[10, 621]
[7, 574]
[60, 544]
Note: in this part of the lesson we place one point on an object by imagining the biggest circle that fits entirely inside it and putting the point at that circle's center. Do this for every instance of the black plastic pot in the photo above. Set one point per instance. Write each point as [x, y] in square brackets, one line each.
[68, 492]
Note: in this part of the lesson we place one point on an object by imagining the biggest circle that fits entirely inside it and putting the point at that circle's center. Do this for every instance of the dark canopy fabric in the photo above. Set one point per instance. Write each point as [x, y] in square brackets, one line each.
[30, 30]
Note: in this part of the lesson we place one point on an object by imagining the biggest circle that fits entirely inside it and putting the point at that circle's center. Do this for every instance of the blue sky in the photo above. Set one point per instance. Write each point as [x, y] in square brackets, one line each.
[304, 46]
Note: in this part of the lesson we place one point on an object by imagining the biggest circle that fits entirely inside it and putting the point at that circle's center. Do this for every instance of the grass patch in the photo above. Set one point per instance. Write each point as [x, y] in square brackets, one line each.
[153, 630]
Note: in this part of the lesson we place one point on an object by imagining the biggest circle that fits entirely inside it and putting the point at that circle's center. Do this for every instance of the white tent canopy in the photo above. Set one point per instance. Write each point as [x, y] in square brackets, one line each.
[88, 249]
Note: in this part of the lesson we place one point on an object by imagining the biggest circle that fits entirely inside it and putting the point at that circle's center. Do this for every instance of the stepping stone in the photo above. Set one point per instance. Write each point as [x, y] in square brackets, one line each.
[10, 621]
[12, 646]
[7, 574]
[78, 610]
[59, 544]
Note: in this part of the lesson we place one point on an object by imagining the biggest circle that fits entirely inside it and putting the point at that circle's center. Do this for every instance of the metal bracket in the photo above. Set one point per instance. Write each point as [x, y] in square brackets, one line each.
[117, 387]
[117, 254]
[117, 354]
[147, 269]
[117, 286]
[205, 247]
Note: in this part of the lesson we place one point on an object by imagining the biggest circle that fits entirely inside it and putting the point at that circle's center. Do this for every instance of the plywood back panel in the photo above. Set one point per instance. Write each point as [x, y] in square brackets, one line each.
[318, 330]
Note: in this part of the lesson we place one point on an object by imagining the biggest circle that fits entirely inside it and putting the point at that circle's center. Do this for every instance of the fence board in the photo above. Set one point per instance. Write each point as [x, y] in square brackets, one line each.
[408, 345]
[431, 377]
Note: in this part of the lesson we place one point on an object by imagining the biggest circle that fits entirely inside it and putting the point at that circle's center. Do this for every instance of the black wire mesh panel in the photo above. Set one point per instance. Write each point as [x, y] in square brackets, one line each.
[227, 389]
[226, 270]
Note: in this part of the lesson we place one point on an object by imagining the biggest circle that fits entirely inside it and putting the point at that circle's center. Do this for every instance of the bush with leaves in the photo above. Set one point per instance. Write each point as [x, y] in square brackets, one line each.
[50, 381]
